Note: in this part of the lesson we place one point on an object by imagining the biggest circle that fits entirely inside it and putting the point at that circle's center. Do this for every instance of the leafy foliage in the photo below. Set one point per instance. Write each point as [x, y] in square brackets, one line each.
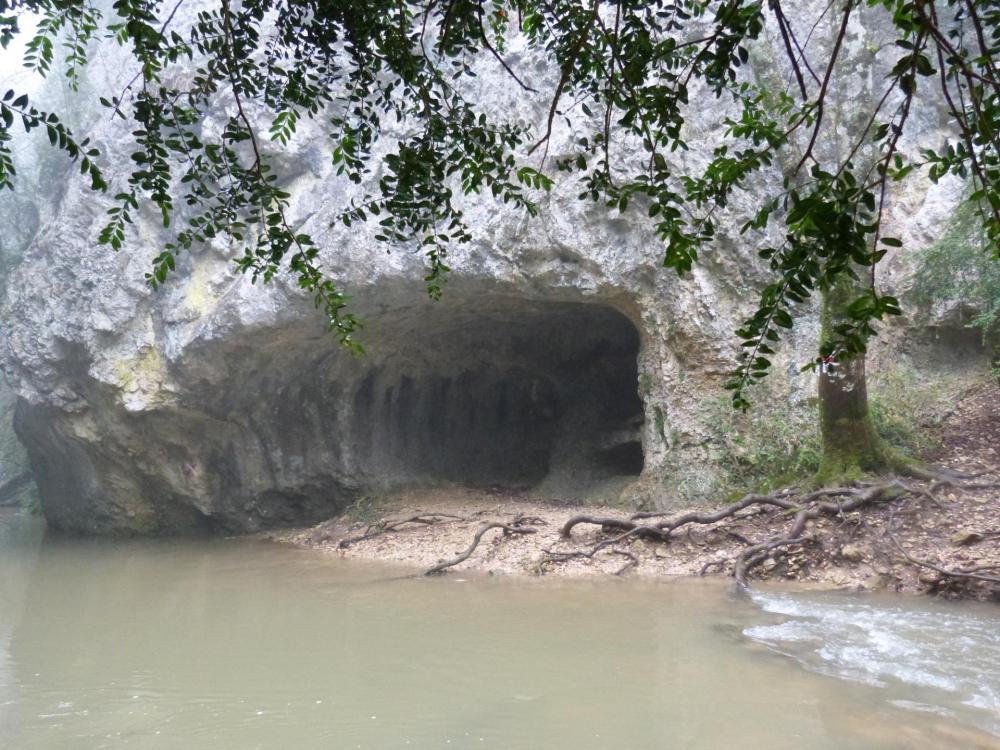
[903, 406]
[626, 71]
[13, 108]
[955, 268]
[777, 447]
[767, 450]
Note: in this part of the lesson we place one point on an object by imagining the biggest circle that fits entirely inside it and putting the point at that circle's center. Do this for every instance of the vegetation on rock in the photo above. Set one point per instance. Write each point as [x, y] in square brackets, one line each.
[625, 71]
[628, 71]
[955, 268]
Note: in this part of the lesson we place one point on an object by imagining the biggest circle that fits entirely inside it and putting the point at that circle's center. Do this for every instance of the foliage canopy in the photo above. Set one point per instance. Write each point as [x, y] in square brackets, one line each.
[624, 69]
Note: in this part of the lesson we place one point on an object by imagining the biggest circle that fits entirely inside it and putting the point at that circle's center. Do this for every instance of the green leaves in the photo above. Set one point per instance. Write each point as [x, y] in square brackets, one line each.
[961, 266]
[283, 128]
[533, 178]
[830, 225]
[14, 107]
[8, 28]
[627, 73]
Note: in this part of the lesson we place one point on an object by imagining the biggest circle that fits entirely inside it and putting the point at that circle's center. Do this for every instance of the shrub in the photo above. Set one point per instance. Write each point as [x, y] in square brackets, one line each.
[960, 267]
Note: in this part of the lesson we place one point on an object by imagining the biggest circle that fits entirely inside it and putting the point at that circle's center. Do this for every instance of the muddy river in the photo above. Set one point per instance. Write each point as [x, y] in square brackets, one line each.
[236, 644]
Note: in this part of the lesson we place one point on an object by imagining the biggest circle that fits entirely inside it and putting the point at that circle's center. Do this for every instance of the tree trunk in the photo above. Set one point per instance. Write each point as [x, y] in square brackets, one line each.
[851, 445]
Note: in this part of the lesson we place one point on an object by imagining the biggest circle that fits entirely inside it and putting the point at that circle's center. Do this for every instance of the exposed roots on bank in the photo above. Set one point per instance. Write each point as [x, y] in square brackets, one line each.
[835, 501]
[791, 512]
[945, 533]
[948, 577]
[520, 525]
[927, 529]
[384, 527]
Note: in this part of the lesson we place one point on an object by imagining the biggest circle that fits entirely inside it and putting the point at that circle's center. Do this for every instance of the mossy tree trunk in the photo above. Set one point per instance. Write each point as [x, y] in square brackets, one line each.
[851, 445]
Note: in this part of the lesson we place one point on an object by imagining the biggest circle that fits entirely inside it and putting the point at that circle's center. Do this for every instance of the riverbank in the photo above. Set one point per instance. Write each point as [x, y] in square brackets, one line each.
[901, 545]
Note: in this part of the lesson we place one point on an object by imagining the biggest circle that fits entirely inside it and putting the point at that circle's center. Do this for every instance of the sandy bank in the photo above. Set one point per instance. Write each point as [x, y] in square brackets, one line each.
[941, 526]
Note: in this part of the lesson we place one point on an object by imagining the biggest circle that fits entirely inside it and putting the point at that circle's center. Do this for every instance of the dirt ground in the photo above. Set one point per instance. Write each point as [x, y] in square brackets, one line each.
[951, 528]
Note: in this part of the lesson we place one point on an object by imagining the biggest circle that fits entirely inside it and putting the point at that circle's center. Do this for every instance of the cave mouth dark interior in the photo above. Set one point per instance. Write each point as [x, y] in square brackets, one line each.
[500, 392]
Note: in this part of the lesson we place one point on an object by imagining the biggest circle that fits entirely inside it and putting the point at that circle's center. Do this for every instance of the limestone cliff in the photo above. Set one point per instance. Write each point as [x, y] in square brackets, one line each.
[562, 357]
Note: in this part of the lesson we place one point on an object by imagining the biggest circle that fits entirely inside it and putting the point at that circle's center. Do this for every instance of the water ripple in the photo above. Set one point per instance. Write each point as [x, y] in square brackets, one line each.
[930, 658]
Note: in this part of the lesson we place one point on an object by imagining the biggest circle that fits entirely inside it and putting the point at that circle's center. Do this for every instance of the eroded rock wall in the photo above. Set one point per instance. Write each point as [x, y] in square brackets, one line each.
[562, 356]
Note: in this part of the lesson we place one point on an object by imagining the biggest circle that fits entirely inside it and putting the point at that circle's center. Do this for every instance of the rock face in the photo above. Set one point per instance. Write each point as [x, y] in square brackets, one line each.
[278, 425]
[562, 356]
[16, 482]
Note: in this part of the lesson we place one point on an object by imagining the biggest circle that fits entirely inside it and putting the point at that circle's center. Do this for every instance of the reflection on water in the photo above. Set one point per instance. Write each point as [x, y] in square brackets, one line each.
[236, 644]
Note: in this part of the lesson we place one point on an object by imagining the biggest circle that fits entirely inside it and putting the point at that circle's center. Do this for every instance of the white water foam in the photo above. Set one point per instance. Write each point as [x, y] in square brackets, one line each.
[930, 658]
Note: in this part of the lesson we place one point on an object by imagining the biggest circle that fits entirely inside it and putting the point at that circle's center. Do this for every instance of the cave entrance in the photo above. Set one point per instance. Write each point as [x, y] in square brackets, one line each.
[501, 392]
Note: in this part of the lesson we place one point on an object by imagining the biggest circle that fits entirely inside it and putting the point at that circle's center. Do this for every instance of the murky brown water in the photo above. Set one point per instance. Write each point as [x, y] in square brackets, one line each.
[234, 644]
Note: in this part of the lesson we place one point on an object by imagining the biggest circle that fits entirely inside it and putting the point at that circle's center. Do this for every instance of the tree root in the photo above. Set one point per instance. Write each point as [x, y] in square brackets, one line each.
[753, 556]
[965, 574]
[630, 527]
[800, 508]
[555, 557]
[711, 564]
[520, 525]
[832, 501]
[785, 500]
[931, 473]
[374, 530]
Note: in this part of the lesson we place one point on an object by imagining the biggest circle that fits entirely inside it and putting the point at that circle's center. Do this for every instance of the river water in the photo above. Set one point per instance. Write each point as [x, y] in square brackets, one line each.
[235, 644]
